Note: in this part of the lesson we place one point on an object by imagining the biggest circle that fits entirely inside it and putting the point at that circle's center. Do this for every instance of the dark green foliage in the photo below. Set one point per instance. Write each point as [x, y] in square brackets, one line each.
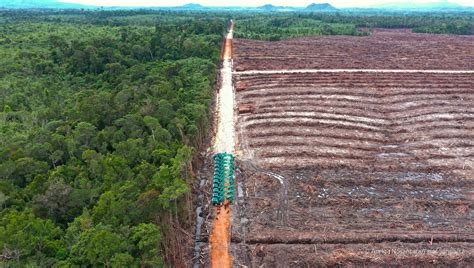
[278, 26]
[457, 27]
[98, 122]
[449, 23]
[23, 236]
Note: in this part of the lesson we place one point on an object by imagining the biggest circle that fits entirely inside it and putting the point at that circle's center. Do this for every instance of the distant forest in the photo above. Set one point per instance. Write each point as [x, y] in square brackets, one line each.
[101, 115]
[278, 26]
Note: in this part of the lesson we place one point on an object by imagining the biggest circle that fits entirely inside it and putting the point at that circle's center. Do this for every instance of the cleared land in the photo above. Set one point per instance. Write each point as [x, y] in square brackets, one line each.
[383, 49]
[362, 168]
[360, 121]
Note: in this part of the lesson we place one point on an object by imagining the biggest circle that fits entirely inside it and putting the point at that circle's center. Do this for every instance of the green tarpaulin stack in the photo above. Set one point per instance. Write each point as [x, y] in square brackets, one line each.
[223, 181]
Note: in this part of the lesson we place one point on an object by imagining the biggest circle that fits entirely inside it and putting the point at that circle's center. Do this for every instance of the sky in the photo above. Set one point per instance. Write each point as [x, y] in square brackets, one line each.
[253, 3]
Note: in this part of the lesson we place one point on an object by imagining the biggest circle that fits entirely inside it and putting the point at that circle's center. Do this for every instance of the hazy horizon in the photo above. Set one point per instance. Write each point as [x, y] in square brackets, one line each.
[255, 3]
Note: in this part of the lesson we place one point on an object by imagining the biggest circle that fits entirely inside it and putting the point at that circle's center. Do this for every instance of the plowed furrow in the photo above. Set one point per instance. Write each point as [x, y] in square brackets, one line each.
[295, 162]
[358, 86]
[306, 150]
[331, 137]
[356, 118]
[421, 125]
[371, 106]
[358, 145]
[370, 112]
[458, 94]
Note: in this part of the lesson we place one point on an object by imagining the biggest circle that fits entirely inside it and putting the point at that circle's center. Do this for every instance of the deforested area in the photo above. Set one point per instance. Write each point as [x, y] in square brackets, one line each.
[344, 162]
[382, 49]
[367, 158]
[361, 121]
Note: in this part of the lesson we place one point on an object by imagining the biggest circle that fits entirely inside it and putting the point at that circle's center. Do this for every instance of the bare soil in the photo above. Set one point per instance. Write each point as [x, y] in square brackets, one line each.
[355, 169]
[360, 121]
[383, 49]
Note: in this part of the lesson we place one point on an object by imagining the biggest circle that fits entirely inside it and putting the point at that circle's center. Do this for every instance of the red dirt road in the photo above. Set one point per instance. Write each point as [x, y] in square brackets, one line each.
[220, 238]
[220, 234]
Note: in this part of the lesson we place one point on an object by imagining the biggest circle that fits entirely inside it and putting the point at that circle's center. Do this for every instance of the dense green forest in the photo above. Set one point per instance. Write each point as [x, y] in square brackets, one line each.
[101, 114]
[278, 26]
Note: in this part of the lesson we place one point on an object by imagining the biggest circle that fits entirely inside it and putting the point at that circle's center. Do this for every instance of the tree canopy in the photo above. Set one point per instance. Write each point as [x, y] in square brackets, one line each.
[101, 112]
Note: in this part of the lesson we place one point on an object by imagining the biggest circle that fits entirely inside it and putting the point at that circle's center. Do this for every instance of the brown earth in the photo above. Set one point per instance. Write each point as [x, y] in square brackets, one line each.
[219, 238]
[361, 121]
[355, 169]
[383, 49]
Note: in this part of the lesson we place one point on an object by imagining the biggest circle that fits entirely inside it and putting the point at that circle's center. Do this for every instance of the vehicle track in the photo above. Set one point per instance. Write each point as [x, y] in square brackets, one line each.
[282, 213]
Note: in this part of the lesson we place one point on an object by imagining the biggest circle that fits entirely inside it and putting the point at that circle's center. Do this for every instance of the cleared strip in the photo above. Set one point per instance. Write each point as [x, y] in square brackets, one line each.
[294, 71]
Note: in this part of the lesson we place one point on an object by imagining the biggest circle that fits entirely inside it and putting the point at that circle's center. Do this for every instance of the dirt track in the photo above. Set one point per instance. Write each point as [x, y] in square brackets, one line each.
[379, 167]
[220, 238]
[224, 143]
